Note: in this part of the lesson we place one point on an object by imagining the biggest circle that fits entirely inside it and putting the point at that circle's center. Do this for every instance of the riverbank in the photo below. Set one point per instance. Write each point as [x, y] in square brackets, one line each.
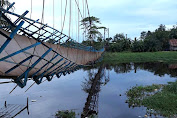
[159, 99]
[127, 57]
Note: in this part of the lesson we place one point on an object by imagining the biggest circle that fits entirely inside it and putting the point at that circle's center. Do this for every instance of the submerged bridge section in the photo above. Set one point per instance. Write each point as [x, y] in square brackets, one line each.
[30, 49]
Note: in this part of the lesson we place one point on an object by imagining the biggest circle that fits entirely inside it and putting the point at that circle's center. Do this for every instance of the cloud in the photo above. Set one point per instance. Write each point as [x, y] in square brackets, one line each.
[127, 16]
[134, 16]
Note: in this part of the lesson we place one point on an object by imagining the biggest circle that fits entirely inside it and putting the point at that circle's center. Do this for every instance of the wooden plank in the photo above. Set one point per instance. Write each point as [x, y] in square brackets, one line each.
[11, 110]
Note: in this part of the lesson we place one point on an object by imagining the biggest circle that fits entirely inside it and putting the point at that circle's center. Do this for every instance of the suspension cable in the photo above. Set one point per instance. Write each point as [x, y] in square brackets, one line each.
[70, 19]
[62, 25]
[42, 20]
[79, 9]
[76, 21]
[83, 16]
[31, 8]
[78, 24]
[64, 16]
[61, 12]
[53, 14]
[87, 8]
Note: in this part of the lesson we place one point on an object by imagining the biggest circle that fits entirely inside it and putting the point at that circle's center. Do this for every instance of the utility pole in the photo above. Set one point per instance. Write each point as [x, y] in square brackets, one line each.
[104, 33]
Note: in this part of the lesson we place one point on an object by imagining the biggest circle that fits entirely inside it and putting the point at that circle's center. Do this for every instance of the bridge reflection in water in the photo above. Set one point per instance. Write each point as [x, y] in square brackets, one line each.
[92, 86]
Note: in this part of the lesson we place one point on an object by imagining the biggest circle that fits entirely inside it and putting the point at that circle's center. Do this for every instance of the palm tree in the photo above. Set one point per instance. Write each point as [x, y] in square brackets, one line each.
[89, 23]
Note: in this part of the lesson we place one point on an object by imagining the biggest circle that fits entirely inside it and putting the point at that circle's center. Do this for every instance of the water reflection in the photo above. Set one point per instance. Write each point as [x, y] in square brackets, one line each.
[157, 68]
[67, 94]
[92, 86]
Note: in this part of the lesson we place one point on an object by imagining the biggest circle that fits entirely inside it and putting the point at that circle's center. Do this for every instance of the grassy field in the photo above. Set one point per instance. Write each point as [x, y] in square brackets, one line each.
[126, 57]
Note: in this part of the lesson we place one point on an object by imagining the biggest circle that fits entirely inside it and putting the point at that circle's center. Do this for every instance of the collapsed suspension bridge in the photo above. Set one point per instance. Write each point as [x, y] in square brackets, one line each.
[26, 53]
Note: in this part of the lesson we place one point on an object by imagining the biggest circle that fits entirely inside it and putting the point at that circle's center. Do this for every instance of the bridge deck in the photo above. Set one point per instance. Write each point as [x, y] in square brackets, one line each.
[25, 53]
[80, 57]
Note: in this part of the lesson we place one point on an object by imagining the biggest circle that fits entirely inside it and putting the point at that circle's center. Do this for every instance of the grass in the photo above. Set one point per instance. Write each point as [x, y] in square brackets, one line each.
[127, 57]
[159, 99]
[65, 114]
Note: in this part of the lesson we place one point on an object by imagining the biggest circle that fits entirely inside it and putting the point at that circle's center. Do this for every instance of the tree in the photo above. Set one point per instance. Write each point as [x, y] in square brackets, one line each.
[120, 43]
[90, 24]
[152, 45]
[99, 39]
[119, 37]
[161, 27]
[143, 35]
[138, 46]
[5, 4]
[173, 33]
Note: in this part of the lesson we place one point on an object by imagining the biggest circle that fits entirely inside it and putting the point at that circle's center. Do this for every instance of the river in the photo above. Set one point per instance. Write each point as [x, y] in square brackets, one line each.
[98, 90]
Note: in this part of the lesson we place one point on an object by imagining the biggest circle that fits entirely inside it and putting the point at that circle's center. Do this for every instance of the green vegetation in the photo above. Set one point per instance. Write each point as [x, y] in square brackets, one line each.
[126, 57]
[5, 4]
[159, 99]
[149, 41]
[91, 29]
[65, 114]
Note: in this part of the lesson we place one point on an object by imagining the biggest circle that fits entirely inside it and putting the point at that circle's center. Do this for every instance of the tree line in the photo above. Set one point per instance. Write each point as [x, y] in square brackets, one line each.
[148, 41]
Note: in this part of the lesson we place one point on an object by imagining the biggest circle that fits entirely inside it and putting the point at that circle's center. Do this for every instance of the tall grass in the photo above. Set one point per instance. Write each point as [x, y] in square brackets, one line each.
[126, 57]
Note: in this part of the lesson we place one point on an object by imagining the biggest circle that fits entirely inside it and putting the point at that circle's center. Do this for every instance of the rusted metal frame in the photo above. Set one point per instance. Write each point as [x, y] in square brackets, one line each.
[46, 45]
[41, 28]
[10, 6]
[26, 19]
[68, 70]
[17, 63]
[55, 70]
[31, 24]
[63, 68]
[44, 66]
[20, 51]
[60, 38]
[19, 18]
[10, 37]
[45, 31]
[25, 74]
[16, 66]
[49, 77]
[38, 79]
[52, 34]
[38, 56]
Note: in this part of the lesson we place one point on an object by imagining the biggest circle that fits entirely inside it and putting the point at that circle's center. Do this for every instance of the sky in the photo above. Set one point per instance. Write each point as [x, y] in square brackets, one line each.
[130, 17]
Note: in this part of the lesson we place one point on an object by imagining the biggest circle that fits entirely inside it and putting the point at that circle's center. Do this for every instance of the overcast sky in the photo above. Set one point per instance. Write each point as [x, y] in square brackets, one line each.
[120, 16]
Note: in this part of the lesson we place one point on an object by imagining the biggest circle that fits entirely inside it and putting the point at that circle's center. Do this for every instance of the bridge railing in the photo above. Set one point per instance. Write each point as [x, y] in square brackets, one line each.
[76, 45]
[43, 32]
